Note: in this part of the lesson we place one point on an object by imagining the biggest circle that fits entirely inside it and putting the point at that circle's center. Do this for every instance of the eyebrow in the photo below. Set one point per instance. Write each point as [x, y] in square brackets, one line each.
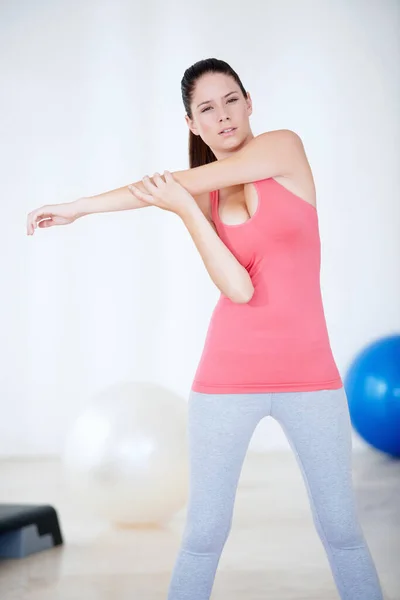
[207, 101]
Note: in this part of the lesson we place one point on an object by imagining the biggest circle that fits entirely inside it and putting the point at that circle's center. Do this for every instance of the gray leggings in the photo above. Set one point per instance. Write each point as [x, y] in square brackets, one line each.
[318, 428]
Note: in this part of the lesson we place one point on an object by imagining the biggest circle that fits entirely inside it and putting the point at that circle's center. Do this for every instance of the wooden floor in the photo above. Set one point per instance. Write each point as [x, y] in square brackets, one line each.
[272, 553]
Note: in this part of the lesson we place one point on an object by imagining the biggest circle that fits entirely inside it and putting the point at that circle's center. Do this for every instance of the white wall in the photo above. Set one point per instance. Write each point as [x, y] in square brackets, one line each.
[91, 101]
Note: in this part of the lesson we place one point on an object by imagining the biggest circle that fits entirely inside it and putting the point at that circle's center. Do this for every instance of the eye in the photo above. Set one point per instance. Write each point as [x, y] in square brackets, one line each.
[230, 100]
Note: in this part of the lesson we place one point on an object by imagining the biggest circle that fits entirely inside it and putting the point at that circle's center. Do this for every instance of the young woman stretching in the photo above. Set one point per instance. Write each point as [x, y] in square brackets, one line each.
[249, 204]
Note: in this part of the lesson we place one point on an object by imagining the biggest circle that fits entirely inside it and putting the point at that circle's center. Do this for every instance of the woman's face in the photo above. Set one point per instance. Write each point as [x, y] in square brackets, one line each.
[219, 104]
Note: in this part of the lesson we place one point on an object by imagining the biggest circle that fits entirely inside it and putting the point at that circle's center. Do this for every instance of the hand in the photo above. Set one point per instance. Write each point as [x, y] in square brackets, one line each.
[49, 215]
[168, 195]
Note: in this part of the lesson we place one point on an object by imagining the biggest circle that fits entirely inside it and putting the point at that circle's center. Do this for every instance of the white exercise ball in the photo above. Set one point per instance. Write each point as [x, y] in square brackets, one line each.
[126, 455]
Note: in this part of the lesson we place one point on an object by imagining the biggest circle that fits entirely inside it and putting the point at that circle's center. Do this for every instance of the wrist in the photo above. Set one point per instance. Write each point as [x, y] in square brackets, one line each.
[81, 207]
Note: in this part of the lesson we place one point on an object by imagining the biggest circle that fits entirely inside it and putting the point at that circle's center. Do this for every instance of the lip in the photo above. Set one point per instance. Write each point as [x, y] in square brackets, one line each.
[229, 133]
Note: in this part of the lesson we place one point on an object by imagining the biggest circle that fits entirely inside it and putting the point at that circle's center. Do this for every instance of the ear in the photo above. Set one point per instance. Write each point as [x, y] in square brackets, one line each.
[249, 103]
[191, 125]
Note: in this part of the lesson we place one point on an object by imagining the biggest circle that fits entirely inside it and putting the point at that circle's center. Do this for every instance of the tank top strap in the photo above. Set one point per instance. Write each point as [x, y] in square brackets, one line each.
[214, 207]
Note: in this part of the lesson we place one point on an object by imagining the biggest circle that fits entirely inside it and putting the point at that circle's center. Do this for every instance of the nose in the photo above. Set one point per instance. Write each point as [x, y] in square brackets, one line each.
[223, 114]
[223, 117]
[223, 123]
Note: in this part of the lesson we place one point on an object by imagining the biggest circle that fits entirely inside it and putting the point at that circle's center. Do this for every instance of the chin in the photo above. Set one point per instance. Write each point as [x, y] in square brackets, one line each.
[231, 142]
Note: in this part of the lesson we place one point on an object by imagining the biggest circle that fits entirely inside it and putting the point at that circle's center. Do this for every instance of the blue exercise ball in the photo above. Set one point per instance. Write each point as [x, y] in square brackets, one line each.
[372, 386]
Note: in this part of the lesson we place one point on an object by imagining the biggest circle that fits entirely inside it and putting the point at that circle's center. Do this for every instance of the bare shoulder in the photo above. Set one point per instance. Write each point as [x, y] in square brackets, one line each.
[300, 180]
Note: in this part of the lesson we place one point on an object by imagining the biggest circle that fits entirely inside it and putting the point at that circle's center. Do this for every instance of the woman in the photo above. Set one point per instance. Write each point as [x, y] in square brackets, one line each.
[249, 204]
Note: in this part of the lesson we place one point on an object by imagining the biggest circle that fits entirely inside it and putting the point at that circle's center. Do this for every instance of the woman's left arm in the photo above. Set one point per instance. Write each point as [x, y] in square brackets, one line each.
[270, 154]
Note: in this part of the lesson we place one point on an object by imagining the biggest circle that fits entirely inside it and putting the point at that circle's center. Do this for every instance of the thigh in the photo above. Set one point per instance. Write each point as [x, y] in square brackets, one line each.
[318, 427]
[220, 427]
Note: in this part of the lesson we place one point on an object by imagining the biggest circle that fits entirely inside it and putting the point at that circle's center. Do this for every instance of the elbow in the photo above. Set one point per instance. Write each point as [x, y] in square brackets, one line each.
[244, 296]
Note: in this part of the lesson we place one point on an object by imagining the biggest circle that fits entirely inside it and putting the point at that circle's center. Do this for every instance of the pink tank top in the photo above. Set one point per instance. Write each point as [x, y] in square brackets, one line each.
[278, 341]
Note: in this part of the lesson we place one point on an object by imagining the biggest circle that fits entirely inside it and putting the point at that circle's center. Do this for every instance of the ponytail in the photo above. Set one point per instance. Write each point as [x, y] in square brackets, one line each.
[199, 152]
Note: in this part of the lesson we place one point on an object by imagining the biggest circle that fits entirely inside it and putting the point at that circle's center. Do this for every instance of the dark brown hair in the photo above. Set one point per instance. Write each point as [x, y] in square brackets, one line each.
[199, 152]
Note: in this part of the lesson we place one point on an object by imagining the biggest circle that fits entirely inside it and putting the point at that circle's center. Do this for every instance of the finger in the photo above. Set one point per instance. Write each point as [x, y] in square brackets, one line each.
[40, 213]
[32, 224]
[46, 223]
[29, 222]
[149, 185]
[168, 176]
[139, 194]
[158, 179]
[41, 217]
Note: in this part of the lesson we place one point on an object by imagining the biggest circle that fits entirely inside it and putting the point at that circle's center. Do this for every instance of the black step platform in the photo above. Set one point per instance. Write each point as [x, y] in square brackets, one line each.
[28, 528]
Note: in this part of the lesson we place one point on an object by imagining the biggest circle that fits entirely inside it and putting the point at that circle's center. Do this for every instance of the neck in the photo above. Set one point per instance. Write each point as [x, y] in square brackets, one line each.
[220, 154]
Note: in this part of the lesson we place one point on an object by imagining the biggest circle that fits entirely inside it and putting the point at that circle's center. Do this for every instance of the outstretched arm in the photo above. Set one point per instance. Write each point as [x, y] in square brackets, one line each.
[270, 154]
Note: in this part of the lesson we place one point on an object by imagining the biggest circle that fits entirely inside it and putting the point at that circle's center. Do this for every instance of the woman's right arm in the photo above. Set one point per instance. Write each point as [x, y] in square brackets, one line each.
[121, 198]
